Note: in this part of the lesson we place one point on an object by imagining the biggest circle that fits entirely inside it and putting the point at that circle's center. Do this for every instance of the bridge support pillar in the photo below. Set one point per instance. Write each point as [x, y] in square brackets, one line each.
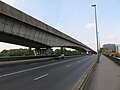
[30, 51]
[62, 50]
[43, 51]
[35, 52]
[49, 51]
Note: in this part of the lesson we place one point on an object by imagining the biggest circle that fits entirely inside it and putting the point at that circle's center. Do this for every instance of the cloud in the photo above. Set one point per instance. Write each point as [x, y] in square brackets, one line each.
[114, 39]
[10, 2]
[90, 26]
[111, 37]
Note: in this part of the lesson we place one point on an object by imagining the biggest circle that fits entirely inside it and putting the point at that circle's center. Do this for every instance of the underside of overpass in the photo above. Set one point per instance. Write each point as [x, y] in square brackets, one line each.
[26, 42]
[8, 38]
[19, 28]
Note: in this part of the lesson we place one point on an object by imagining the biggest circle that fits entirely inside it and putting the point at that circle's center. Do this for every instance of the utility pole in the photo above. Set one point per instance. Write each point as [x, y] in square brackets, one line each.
[96, 31]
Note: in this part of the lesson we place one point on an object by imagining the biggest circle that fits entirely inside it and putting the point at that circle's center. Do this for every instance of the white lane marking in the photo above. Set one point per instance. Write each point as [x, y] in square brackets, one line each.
[41, 77]
[68, 65]
[26, 70]
[33, 63]
[78, 61]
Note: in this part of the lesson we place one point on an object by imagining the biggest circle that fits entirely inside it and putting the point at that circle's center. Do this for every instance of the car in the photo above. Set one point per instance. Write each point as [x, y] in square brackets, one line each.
[62, 56]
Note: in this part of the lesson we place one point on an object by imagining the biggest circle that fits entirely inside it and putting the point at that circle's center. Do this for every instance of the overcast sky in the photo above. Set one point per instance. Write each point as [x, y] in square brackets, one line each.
[75, 18]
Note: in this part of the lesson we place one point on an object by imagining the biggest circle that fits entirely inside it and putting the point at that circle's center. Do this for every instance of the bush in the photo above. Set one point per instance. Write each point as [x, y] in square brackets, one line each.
[15, 52]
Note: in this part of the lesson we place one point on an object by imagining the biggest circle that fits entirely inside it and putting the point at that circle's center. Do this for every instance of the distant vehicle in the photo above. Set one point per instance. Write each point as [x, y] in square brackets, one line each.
[62, 56]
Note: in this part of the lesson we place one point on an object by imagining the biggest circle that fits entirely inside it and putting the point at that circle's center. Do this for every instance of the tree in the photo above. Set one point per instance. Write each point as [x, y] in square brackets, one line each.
[15, 52]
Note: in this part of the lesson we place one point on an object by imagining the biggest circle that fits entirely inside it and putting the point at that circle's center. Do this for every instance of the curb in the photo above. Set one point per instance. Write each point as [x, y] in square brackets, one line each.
[80, 85]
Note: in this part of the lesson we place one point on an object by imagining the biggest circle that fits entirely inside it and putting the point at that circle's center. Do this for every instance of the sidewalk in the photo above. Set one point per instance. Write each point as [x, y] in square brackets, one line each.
[107, 76]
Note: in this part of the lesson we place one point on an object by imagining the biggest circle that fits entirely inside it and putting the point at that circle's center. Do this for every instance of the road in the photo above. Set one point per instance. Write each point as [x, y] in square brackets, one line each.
[48, 75]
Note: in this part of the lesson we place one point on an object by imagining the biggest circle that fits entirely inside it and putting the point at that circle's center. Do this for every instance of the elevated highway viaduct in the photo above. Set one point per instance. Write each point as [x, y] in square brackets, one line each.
[16, 27]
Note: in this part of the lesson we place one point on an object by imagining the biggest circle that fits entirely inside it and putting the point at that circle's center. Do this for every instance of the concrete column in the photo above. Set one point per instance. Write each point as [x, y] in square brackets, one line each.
[49, 51]
[45, 50]
[30, 51]
[35, 54]
[62, 50]
[42, 51]
[39, 52]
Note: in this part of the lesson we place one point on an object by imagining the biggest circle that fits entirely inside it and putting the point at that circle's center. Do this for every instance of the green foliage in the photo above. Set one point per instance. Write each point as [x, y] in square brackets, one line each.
[25, 52]
[109, 53]
[104, 51]
[15, 52]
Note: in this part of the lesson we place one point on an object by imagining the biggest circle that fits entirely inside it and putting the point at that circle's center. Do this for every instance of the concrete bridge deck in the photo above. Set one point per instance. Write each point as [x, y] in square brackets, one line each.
[19, 28]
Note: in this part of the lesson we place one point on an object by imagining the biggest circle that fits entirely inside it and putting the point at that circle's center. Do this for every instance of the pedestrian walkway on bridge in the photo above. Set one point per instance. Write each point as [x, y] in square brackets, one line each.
[107, 75]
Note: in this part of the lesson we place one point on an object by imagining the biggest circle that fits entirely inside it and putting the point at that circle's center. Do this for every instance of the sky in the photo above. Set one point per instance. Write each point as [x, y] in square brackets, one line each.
[75, 18]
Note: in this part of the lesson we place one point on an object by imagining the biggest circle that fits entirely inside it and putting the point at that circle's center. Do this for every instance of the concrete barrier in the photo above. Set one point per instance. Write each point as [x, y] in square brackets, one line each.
[28, 59]
[114, 59]
[80, 85]
[14, 58]
[24, 61]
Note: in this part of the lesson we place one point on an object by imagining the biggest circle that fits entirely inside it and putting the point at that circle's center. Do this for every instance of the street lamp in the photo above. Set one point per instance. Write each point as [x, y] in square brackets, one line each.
[96, 31]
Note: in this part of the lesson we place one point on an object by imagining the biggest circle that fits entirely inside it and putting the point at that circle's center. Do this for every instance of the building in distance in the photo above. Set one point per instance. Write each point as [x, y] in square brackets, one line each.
[118, 48]
[110, 47]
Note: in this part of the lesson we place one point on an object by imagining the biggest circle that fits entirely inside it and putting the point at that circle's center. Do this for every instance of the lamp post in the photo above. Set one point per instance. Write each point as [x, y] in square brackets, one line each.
[96, 32]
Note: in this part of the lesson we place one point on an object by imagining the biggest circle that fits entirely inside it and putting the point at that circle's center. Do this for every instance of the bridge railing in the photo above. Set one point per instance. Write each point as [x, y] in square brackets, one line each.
[114, 59]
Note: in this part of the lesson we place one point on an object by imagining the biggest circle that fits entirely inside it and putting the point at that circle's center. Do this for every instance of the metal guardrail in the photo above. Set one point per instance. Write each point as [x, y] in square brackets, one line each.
[80, 85]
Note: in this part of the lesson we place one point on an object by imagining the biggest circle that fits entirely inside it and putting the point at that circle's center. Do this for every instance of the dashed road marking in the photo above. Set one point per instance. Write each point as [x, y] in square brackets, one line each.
[78, 61]
[33, 63]
[34, 68]
[68, 65]
[41, 77]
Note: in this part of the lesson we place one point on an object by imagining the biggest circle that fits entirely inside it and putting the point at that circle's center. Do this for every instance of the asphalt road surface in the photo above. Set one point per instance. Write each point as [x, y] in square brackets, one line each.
[47, 75]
